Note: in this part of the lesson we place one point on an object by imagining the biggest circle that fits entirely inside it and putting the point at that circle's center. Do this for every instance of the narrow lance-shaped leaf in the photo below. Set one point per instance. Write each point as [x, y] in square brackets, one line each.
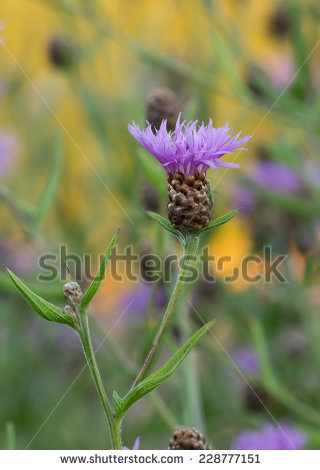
[220, 221]
[150, 383]
[42, 307]
[95, 284]
[167, 226]
[53, 181]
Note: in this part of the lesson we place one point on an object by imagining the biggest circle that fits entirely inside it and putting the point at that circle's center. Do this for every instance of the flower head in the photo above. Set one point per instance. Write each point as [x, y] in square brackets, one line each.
[270, 437]
[189, 147]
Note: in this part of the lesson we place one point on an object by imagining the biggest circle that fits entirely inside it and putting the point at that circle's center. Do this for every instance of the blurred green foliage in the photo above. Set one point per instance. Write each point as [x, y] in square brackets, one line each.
[222, 59]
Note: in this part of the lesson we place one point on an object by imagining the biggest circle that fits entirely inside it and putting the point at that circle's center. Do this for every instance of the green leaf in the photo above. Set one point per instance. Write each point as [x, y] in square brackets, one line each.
[51, 186]
[153, 172]
[220, 221]
[295, 205]
[166, 225]
[150, 383]
[42, 307]
[95, 284]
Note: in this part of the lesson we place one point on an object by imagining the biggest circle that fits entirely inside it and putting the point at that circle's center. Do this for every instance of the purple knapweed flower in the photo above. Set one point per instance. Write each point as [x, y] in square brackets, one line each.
[281, 69]
[189, 147]
[186, 154]
[276, 176]
[247, 360]
[270, 437]
[135, 445]
[139, 300]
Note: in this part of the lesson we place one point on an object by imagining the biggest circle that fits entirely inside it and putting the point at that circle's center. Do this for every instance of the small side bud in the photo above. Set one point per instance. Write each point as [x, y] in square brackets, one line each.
[72, 292]
[162, 104]
[70, 310]
[184, 438]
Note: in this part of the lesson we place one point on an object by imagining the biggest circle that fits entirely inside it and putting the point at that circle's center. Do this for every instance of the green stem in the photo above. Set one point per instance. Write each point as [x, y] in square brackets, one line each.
[192, 409]
[189, 250]
[113, 422]
[10, 436]
[155, 399]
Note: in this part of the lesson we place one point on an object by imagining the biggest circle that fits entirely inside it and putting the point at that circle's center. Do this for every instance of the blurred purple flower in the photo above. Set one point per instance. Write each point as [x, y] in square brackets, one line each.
[270, 437]
[276, 176]
[139, 298]
[135, 445]
[244, 197]
[281, 69]
[8, 151]
[20, 256]
[189, 147]
[247, 360]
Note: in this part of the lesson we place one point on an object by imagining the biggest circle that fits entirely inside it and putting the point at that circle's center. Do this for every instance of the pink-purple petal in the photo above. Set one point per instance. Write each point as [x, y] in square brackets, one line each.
[190, 147]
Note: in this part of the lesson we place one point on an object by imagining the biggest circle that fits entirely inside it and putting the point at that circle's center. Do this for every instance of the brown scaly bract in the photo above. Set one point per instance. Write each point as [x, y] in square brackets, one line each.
[189, 206]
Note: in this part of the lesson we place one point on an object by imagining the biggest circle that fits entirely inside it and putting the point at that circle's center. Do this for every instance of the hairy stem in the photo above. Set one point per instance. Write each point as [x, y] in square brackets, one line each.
[113, 422]
[189, 251]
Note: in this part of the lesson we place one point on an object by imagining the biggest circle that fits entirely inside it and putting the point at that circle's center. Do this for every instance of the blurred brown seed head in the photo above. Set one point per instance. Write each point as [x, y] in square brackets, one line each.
[61, 51]
[280, 23]
[149, 196]
[184, 438]
[257, 399]
[162, 104]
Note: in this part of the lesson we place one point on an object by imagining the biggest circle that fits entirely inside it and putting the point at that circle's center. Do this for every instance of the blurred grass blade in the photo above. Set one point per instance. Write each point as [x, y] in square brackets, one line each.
[190, 111]
[291, 204]
[152, 172]
[10, 436]
[95, 284]
[51, 186]
[42, 307]
[260, 343]
[166, 225]
[150, 383]
[220, 221]
[225, 57]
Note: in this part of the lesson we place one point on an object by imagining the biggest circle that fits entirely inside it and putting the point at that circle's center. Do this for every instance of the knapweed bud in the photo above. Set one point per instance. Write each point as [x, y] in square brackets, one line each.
[186, 154]
[72, 292]
[70, 310]
[61, 51]
[184, 438]
[162, 104]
